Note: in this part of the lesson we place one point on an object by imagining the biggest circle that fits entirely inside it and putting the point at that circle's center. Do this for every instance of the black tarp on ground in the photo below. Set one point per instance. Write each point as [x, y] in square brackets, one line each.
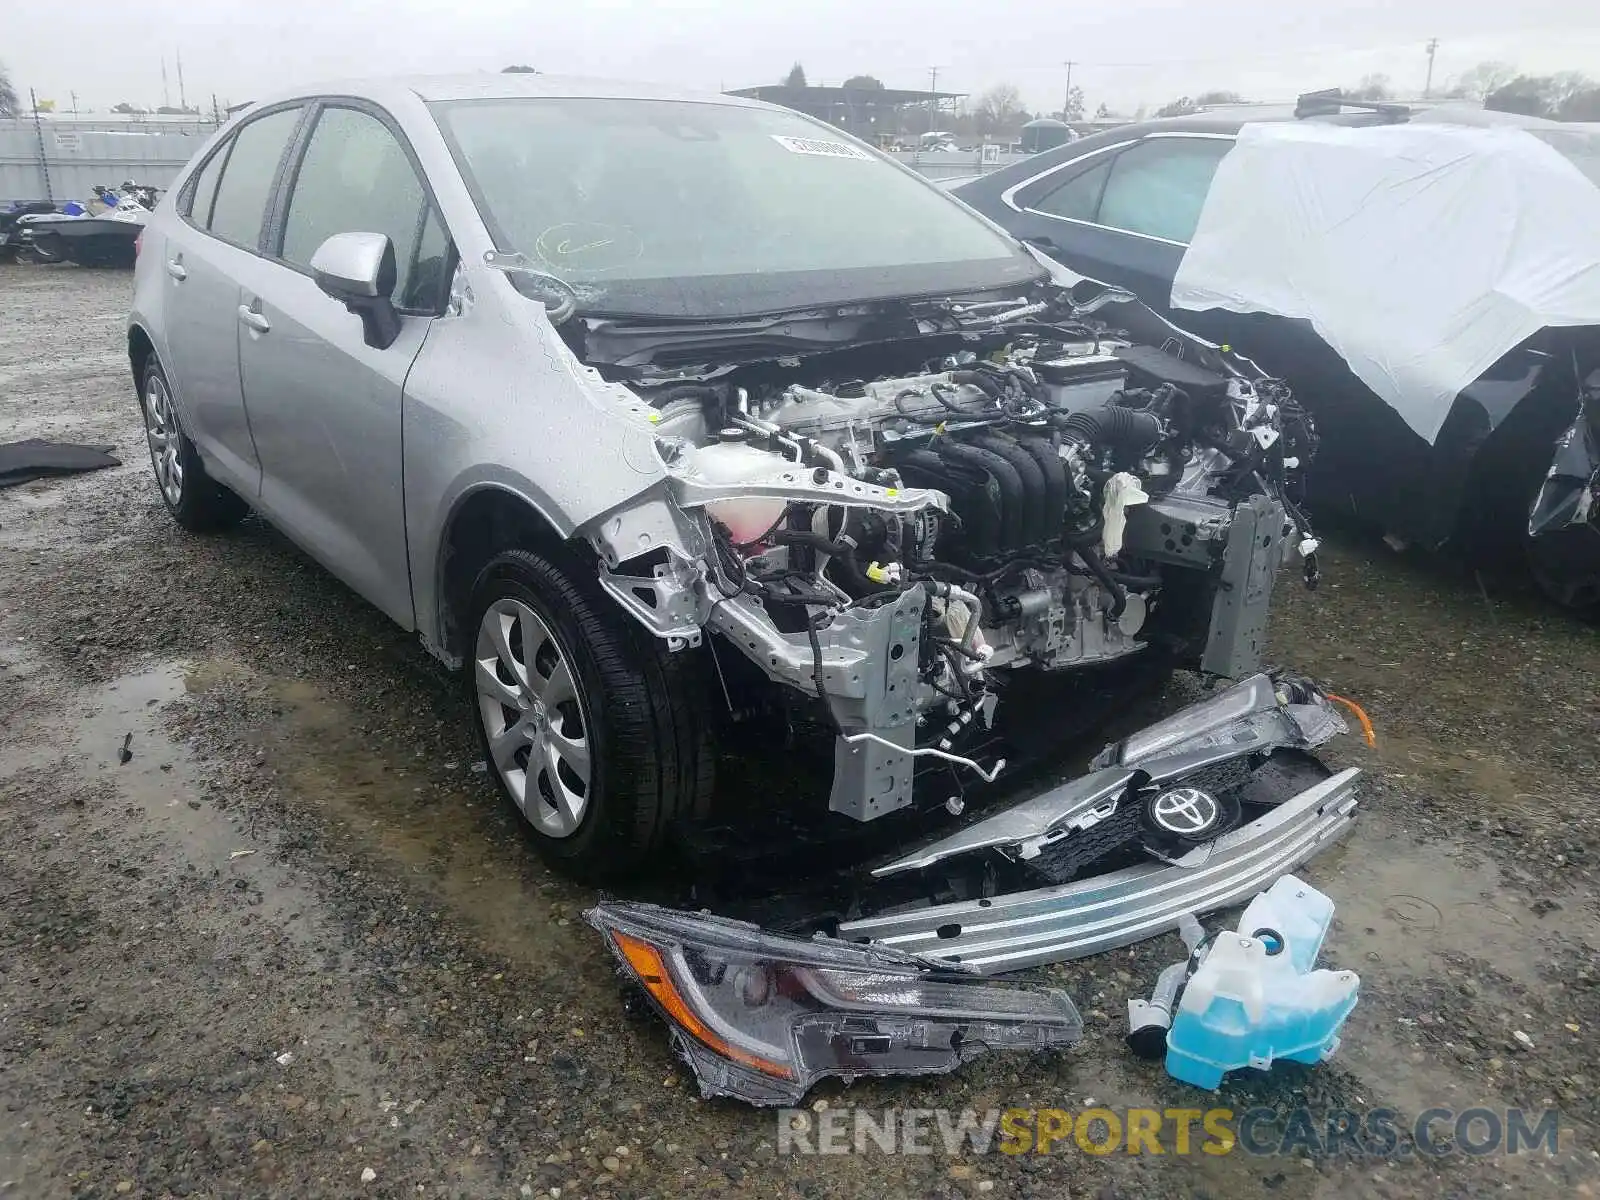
[35, 459]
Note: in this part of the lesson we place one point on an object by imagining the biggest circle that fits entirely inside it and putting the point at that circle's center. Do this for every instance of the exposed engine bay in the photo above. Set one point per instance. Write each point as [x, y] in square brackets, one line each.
[892, 520]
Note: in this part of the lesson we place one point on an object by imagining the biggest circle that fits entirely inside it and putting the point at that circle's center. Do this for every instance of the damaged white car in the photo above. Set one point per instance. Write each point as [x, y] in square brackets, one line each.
[685, 421]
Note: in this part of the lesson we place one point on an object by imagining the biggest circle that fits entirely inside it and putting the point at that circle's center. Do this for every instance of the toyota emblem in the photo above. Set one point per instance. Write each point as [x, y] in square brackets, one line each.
[1185, 811]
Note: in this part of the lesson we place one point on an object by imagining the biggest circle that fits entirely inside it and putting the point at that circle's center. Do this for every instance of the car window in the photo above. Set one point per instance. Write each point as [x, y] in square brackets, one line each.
[356, 178]
[429, 267]
[674, 208]
[248, 176]
[1079, 197]
[1159, 186]
[205, 187]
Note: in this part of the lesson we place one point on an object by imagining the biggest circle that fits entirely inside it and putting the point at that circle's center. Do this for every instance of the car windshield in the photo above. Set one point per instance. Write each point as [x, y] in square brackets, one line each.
[686, 209]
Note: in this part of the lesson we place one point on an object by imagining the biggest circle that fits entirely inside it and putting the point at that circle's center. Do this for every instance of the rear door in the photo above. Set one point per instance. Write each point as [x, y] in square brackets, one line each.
[1126, 214]
[223, 213]
[326, 407]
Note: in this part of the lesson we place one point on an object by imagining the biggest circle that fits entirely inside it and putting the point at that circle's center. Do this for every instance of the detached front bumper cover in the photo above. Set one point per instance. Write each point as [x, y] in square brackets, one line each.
[761, 1017]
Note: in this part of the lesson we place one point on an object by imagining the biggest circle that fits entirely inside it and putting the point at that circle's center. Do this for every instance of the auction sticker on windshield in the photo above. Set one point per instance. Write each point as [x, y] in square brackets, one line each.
[827, 149]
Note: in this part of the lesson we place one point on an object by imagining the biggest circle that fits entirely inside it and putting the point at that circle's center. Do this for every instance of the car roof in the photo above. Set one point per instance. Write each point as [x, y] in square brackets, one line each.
[492, 85]
[1220, 121]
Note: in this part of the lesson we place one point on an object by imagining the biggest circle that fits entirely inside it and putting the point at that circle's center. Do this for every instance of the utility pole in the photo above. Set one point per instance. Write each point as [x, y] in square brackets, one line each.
[166, 95]
[1433, 47]
[933, 96]
[38, 135]
[1066, 99]
[183, 101]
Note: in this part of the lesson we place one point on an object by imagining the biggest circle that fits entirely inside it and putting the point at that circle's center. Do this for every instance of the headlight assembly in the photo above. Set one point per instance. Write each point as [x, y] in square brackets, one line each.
[762, 1017]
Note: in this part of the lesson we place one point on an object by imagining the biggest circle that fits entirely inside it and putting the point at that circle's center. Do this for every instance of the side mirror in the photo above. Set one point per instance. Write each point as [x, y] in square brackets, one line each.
[358, 270]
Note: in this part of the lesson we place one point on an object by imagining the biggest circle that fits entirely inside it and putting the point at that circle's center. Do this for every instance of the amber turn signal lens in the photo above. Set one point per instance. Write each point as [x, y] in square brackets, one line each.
[651, 970]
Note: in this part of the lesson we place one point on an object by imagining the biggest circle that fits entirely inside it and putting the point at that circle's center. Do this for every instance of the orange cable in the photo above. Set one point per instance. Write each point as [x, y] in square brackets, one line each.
[1361, 715]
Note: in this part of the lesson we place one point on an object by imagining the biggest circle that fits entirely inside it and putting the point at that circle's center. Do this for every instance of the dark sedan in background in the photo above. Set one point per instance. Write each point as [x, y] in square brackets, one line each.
[1121, 207]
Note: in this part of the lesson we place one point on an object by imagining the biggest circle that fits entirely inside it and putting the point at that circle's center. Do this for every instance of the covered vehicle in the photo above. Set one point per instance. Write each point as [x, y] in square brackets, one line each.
[1424, 278]
[676, 421]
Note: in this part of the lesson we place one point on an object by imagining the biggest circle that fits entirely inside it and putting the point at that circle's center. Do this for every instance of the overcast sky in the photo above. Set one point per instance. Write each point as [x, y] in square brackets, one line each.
[1127, 51]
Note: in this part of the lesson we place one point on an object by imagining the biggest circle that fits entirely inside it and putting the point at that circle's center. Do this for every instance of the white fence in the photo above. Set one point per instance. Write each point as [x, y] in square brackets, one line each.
[59, 160]
[955, 164]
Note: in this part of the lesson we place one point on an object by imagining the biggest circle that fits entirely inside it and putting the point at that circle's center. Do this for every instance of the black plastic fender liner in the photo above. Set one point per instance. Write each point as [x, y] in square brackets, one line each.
[1036, 525]
[1013, 498]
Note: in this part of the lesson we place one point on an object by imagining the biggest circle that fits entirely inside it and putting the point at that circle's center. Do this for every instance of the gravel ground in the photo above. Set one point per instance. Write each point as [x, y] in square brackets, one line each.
[296, 947]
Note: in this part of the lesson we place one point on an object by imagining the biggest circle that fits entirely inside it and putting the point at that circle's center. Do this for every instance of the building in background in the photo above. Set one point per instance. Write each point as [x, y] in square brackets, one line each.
[879, 115]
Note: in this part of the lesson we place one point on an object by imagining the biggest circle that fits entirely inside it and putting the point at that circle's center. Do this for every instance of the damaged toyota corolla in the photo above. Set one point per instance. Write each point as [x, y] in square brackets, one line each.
[670, 418]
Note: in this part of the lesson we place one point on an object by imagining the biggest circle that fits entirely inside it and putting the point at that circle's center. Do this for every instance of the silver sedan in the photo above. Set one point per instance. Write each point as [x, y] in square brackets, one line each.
[667, 417]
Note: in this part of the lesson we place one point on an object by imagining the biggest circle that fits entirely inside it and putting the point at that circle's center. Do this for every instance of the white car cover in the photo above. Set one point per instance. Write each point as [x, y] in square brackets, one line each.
[1420, 252]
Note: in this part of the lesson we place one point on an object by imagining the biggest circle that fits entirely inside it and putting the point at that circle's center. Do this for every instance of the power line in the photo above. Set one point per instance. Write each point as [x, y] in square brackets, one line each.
[1205, 60]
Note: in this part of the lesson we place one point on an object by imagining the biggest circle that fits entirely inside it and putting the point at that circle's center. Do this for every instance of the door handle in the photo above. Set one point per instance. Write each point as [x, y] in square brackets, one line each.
[254, 319]
[177, 270]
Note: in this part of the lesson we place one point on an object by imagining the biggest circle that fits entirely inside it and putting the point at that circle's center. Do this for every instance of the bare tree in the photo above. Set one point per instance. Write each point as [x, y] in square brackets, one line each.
[1074, 105]
[1541, 95]
[1182, 106]
[10, 106]
[998, 107]
[1482, 79]
[1566, 84]
[1371, 87]
[796, 78]
[1581, 105]
[518, 70]
[862, 83]
[1219, 97]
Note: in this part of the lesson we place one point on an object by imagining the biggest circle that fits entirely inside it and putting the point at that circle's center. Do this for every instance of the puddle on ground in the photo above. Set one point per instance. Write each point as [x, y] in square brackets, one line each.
[445, 826]
[1472, 770]
[1417, 904]
[160, 779]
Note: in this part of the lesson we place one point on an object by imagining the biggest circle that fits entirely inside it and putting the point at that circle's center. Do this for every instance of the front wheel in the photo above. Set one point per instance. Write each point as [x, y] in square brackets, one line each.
[590, 729]
[1565, 564]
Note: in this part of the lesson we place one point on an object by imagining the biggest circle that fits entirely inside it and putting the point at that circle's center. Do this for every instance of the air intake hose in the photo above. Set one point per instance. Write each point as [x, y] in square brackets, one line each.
[1125, 430]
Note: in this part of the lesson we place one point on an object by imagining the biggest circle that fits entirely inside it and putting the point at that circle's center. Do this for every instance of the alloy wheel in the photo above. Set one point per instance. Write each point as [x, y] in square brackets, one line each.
[534, 716]
[161, 431]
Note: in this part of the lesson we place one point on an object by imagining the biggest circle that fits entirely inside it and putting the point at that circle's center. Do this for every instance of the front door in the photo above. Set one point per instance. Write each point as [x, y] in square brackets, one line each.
[325, 406]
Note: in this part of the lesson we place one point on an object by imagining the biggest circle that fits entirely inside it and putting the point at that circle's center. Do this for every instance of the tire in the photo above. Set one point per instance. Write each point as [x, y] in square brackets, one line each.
[196, 501]
[1565, 566]
[606, 745]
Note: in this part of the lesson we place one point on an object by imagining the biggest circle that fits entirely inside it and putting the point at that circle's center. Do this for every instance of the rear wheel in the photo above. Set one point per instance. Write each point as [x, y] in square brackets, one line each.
[196, 501]
[592, 732]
